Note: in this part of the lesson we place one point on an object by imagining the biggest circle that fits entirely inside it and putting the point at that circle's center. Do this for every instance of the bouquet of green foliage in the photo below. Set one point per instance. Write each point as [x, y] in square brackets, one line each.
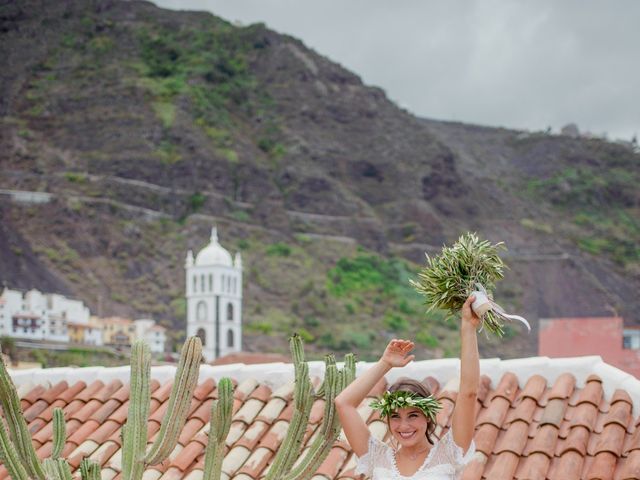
[470, 266]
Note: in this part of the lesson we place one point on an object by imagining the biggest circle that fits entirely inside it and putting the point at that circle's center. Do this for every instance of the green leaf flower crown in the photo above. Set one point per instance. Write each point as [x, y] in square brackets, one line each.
[392, 401]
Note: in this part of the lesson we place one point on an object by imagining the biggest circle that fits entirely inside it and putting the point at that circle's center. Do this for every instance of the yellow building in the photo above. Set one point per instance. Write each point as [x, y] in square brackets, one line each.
[76, 332]
[117, 331]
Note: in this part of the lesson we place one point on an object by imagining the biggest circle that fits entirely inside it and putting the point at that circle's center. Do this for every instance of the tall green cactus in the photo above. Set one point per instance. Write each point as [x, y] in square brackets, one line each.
[59, 433]
[291, 446]
[20, 440]
[219, 426]
[134, 436]
[179, 401]
[10, 457]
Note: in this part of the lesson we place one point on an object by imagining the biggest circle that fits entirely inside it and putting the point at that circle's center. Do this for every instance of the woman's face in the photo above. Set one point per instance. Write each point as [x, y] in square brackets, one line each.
[408, 426]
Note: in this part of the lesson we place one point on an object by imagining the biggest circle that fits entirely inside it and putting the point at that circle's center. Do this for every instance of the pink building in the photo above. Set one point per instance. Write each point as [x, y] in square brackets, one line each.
[604, 336]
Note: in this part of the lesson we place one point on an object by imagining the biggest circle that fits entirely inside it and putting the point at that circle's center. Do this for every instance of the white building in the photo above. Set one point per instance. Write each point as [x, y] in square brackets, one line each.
[155, 335]
[38, 316]
[214, 299]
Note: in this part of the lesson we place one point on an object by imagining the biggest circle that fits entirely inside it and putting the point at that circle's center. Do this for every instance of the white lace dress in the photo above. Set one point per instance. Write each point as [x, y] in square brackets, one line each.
[445, 461]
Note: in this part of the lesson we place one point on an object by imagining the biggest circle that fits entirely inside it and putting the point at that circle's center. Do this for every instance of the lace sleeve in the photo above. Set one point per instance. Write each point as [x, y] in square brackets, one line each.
[453, 454]
[367, 462]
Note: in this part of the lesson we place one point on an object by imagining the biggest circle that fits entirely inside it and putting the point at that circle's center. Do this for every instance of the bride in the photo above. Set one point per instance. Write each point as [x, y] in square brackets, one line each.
[410, 412]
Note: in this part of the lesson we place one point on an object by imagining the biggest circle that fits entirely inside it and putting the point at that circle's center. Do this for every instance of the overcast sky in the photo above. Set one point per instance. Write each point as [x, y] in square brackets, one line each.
[517, 64]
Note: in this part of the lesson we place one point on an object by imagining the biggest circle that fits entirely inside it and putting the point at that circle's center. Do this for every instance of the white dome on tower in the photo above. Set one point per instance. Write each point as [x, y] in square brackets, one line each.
[214, 254]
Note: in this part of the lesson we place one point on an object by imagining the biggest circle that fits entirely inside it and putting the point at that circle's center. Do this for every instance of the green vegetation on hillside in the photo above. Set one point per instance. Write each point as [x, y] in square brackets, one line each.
[601, 202]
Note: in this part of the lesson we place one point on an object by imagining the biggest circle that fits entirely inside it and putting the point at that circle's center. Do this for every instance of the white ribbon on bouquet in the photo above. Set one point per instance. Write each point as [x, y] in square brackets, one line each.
[484, 303]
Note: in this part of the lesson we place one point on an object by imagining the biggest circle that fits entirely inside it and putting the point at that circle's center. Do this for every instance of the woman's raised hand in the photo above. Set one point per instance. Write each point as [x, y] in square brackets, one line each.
[397, 353]
[469, 317]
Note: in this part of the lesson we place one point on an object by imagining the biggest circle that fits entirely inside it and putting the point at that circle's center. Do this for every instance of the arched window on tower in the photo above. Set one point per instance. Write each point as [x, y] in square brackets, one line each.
[210, 282]
[202, 335]
[195, 284]
[222, 284]
[230, 312]
[229, 338]
[201, 312]
[228, 284]
[202, 283]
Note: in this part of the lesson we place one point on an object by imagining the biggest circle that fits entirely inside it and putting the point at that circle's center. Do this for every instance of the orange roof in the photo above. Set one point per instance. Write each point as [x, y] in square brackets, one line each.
[526, 428]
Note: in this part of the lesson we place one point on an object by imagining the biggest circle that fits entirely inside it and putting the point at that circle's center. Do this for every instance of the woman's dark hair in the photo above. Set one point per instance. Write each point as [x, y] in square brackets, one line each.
[420, 389]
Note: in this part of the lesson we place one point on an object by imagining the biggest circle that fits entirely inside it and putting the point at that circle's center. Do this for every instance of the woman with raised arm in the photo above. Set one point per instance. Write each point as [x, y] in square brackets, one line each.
[410, 412]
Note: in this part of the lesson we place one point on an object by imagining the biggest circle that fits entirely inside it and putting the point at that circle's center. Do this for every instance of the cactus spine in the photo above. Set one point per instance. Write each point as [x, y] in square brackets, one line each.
[59, 433]
[219, 426]
[134, 436]
[179, 401]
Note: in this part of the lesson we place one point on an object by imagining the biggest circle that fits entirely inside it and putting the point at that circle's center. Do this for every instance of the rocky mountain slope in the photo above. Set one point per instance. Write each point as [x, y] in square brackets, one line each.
[146, 126]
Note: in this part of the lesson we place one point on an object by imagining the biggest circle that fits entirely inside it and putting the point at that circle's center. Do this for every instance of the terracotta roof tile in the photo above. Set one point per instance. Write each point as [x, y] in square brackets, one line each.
[204, 389]
[495, 412]
[256, 462]
[35, 394]
[507, 388]
[105, 410]
[585, 415]
[52, 394]
[592, 393]
[533, 467]
[253, 435]
[249, 411]
[567, 467]
[577, 441]
[87, 393]
[513, 439]
[34, 410]
[563, 387]
[87, 410]
[272, 410]
[485, 438]
[332, 464]
[619, 413]
[554, 412]
[603, 467]
[630, 469]
[504, 466]
[122, 394]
